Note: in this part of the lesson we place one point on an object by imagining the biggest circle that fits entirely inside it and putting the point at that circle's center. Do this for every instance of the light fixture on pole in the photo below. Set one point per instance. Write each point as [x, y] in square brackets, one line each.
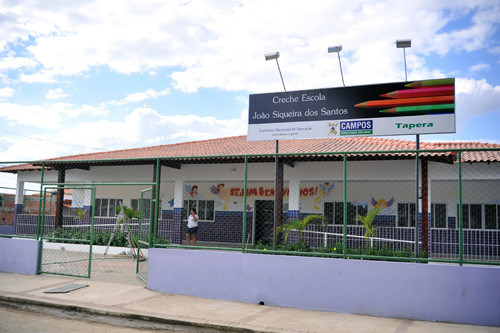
[278, 178]
[403, 44]
[275, 55]
[337, 49]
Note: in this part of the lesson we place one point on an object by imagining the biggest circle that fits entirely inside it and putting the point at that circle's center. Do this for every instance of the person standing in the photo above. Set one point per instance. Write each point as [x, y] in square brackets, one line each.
[192, 227]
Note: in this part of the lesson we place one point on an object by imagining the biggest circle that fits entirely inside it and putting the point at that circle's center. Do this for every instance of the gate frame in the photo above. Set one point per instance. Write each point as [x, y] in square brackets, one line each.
[139, 232]
[42, 224]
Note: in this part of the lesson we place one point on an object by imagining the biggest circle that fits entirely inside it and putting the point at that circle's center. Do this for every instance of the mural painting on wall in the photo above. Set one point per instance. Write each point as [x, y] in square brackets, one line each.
[325, 190]
[318, 194]
[223, 195]
[384, 205]
[192, 192]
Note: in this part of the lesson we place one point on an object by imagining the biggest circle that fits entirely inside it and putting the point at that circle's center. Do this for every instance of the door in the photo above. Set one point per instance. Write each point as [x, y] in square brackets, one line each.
[264, 220]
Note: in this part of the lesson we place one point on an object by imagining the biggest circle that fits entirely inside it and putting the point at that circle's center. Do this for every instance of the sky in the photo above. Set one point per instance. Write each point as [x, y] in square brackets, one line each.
[90, 76]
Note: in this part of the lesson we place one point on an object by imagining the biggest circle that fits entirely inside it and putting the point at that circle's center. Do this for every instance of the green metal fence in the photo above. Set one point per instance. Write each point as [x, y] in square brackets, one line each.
[336, 204]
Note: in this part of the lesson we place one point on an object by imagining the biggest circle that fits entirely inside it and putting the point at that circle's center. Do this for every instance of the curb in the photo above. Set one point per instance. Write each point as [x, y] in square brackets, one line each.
[7, 300]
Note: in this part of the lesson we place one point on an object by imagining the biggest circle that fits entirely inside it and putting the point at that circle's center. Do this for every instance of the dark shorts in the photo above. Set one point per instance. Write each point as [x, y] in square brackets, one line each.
[192, 231]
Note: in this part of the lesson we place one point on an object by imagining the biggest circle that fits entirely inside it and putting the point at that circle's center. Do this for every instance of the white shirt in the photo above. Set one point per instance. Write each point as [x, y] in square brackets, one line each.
[191, 222]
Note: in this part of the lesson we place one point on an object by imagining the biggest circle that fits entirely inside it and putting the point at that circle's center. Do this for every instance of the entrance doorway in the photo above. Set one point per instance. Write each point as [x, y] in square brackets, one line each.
[264, 219]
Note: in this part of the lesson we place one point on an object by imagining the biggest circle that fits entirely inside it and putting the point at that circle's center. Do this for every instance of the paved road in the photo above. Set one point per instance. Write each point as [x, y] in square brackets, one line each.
[15, 318]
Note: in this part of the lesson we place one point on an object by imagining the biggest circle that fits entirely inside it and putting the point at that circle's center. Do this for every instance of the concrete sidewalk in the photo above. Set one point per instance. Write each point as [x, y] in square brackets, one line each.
[134, 300]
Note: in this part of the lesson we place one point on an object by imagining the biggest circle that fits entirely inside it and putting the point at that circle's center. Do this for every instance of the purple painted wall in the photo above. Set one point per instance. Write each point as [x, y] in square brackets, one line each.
[400, 290]
[19, 255]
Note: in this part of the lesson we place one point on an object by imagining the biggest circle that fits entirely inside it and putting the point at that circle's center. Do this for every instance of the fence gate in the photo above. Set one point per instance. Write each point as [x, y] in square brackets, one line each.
[63, 250]
[147, 208]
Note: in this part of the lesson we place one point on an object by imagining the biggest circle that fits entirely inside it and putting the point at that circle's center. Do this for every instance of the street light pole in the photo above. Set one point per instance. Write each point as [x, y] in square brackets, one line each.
[403, 44]
[278, 177]
[337, 49]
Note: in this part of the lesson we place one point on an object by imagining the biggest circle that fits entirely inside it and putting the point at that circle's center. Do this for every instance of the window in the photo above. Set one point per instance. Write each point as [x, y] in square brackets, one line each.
[492, 216]
[146, 206]
[334, 212]
[107, 207]
[204, 209]
[439, 216]
[406, 214]
[472, 216]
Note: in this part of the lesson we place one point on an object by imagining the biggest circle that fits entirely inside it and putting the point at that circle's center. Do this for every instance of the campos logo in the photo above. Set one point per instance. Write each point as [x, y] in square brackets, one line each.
[356, 125]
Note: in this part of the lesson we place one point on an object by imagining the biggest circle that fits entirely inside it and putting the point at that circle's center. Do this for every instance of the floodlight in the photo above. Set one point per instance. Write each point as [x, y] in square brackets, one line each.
[401, 43]
[275, 55]
[335, 49]
[272, 55]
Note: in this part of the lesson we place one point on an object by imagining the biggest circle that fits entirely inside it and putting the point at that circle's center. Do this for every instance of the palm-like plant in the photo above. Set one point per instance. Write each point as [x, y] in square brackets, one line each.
[299, 225]
[81, 214]
[367, 221]
[129, 213]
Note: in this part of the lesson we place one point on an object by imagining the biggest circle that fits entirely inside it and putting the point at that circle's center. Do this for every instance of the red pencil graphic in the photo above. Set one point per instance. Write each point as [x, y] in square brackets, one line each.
[422, 92]
[389, 103]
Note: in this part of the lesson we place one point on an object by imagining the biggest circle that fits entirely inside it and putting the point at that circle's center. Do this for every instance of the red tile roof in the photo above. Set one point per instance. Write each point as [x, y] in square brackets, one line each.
[238, 145]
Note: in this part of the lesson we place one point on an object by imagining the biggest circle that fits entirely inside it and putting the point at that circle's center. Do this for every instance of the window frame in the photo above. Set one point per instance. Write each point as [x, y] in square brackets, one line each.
[434, 219]
[188, 204]
[410, 212]
[99, 207]
[468, 214]
[360, 208]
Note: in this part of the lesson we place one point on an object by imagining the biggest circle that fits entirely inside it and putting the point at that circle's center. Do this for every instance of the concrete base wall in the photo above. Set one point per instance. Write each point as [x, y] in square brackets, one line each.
[19, 255]
[447, 293]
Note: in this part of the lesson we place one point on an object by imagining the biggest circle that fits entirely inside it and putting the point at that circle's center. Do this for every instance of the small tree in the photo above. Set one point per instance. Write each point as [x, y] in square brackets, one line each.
[367, 221]
[299, 225]
[129, 213]
[80, 214]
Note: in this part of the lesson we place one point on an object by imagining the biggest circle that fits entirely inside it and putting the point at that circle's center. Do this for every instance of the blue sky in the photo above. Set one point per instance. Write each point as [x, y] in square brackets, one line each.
[89, 76]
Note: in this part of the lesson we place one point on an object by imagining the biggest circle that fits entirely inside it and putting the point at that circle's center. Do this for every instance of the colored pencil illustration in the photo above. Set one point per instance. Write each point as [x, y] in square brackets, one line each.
[435, 108]
[431, 83]
[388, 103]
[421, 92]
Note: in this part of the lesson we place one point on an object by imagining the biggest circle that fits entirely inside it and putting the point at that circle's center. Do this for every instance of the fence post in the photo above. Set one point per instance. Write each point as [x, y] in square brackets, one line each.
[39, 221]
[460, 212]
[344, 245]
[244, 235]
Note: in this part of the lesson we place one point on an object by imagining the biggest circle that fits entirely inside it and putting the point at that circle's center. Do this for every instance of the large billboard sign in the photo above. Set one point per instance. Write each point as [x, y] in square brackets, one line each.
[401, 108]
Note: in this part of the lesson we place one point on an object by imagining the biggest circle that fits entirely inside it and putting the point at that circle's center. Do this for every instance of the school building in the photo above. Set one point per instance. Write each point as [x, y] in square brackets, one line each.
[315, 176]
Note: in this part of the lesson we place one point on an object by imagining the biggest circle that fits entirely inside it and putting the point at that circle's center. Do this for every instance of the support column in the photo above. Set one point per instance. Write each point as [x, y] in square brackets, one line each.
[178, 213]
[294, 200]
[61, 176]
[425, 205]
[19, 202]
[278, 200]
[156, 203]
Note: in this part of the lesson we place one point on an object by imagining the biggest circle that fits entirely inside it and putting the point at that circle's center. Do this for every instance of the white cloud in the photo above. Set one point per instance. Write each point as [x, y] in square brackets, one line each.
[40, 77]
[55, 94]
[480, 67]
[51, 117]
[207, 44]
[10, 63]
[222, 46]
[6, 93]
[475, 97]
[148, 94]
[32, 115]
[141, 127]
